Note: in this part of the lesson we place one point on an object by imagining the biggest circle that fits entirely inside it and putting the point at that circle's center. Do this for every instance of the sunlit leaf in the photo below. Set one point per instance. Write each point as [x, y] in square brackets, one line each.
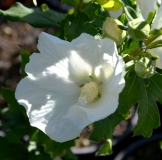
[33, 16]
[145, 92]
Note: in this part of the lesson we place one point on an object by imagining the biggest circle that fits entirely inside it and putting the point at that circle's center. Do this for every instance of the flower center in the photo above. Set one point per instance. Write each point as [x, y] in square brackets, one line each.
[88, 93]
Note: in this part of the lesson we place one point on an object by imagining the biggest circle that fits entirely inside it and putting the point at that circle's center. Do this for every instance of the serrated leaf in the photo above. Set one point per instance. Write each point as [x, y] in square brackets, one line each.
[95, 11]
[146, 92]
[91, 30]
[104, 128]
[25, 59]
[53, 148]
[33, 16]
[75, 25]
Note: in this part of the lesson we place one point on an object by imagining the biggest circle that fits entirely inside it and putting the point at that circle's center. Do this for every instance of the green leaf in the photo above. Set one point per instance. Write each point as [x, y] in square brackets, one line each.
[51, 14]
[129, 2]
[75, 25]
[90, 21]
[96, 12]
[15, 135]
[3, 148]
[151, 17]
[25, 59]
[156, 32]
[123, 19]
[154, 44]
[91, 30]
[34, 17]
[159, 70]
[146, 92]
[9, 96]
[69, 155]
[129, 47]
[38, 154]
[73, 3]
[12, 151]
[14, 116]
[53, 148]
[106, 149]
[104, 129]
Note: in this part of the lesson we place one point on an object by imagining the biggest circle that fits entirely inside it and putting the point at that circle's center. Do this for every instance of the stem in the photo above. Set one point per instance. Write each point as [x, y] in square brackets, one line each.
[80, 5]
[130, 8]
[138, 50]
[155, 44]
[128, 14]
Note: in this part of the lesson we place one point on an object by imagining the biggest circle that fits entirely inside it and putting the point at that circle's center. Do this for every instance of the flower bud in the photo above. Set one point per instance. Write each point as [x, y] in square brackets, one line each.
[138, 29]
[145, 67]
[102, 2]
[111, 30]
[113, 5]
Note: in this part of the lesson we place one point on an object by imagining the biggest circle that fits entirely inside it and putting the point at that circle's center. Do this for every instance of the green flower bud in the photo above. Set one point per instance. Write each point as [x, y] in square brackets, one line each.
[138, 29]
[145, 67]
[111, 30]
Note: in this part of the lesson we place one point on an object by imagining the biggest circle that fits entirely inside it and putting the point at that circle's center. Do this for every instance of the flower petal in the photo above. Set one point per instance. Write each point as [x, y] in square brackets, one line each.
[83, 38]
[86, 57]
[50, 91]
[60, 128]
[53, 49]
[105, 106]
[157, 23]
[116, 14]
[146, 6]
[45, 106]
[112, 74]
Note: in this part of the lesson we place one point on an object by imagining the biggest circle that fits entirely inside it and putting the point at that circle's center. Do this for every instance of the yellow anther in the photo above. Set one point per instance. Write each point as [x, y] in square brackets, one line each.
[89, 92]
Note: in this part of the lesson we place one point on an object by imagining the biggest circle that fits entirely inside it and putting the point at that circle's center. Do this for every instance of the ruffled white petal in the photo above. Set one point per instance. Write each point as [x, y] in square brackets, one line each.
[102, 108]
[157, 23]
[112, 74]
[60, 128]
[87, 57]
[146, 6]
[45, 106]
[51, 90]
[53, 49]
[83, 38]
[105, 106]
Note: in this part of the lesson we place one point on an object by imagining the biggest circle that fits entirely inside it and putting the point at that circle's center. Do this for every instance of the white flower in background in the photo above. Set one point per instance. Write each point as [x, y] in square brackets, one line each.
[116, 14]
[71, 84]
[146, 6]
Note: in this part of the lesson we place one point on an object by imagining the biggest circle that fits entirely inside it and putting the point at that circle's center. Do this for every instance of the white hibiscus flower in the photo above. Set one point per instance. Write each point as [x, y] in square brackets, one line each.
[71, 84]
[146, 6]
